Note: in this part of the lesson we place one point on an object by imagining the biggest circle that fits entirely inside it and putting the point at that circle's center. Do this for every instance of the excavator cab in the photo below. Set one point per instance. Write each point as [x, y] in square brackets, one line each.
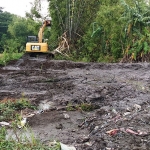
[31, 39]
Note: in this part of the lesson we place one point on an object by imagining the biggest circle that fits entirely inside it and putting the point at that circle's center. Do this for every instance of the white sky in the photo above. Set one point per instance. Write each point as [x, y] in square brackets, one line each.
[19, 7]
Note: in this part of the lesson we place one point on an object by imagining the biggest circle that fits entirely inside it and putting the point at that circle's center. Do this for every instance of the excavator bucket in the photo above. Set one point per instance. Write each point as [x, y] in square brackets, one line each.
[47, 22]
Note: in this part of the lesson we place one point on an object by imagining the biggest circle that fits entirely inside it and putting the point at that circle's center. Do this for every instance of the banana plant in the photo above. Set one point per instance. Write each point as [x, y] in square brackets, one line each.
[136, 30]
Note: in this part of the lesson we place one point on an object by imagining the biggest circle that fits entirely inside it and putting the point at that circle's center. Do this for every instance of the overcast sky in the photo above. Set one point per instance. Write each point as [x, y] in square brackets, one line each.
[19, 7]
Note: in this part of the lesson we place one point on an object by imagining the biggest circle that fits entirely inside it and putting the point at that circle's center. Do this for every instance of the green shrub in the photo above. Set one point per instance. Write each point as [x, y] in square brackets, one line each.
[20, 144]
[9, 109]
[6, 57]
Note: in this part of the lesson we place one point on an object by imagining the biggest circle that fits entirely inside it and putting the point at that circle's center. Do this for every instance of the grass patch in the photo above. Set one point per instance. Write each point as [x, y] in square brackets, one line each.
[86, 107]
[10, 108]
[70, 107]
[81, 107]
[22, 143]
[22, 139]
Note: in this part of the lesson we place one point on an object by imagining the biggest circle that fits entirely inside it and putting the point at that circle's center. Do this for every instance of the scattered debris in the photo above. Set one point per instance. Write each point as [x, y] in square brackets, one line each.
[129, 109]
[126, 113]
[66, 147]
[143, 133]
[62, 146]
[109, 148]
[22, 123]
[46, 105]
[137, 107]
[66, 116]
[59, 126]
[29, 115]
[83, 139]
[116, 118]
[51, 144]
[3, 123]
[131, 131]
[39, 111]
[112, 132]
[114, 111]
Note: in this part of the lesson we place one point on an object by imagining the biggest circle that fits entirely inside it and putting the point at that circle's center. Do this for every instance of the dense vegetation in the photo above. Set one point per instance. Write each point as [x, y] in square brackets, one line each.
[97, 31]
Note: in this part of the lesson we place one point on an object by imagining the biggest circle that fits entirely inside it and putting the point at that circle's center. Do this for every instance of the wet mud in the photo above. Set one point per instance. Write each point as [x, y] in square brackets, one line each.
[118, 93]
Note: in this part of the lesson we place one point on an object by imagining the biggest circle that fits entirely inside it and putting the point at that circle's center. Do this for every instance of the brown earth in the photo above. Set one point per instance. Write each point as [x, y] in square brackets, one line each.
[118, 93]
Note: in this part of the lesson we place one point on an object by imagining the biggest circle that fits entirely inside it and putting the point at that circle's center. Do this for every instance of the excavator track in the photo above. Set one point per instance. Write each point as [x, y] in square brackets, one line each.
[38, 55]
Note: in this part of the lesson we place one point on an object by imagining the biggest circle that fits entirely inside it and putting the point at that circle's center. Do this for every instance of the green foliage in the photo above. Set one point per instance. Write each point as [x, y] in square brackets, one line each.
[72, 17]
[104, 34]
[35, 10]
[9, 108]
[82, 107]
[86, 107]
[5, 20]
[1, 9]
[15, 39]
[6, 57]
[70, 107]
[119, 27]
[22, 144]
[137, 28]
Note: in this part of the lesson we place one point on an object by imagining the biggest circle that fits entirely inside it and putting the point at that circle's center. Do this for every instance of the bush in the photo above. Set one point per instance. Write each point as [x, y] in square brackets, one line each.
[6, 57]
[20, 144]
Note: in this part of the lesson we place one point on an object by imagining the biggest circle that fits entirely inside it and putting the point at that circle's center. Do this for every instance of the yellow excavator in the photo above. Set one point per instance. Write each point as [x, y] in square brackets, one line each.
[37, 45]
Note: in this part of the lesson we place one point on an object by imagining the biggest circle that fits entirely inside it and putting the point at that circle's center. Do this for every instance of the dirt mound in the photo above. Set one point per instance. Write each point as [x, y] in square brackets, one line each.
[118, 93]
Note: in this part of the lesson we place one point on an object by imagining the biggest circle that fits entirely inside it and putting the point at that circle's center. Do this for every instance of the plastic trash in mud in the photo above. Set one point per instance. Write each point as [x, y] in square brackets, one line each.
[46, 105]
[127, 113]
[131, 131]
[66, 116]
[3, 123]
[30, 115]
[107, 148]
[138, 132]
[137, 107]
[112, 132]
[62, 146]
[114, 111]
[66, 147]
[39, 111]
[52, 144]
[22, 123]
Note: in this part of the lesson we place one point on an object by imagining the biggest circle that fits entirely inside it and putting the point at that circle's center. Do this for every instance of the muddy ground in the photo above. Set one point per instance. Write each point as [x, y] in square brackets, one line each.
[118, 93]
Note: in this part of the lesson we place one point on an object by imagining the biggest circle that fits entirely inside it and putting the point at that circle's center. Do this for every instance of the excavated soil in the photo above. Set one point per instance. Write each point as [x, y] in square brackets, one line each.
[119, 95]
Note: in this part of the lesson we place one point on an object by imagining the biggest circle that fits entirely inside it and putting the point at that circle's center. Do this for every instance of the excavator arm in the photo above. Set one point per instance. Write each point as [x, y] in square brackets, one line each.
[46, 23]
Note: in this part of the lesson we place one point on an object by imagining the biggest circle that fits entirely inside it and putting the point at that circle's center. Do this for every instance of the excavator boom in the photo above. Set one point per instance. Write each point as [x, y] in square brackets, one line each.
[46, 23]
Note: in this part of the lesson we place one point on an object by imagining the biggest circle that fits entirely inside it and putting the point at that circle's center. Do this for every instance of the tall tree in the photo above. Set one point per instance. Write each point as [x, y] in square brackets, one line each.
[15, 38]
[72, 17]
[35, 10]
[5, 20]
[104, 35]
[107, 39]
[1, 9]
